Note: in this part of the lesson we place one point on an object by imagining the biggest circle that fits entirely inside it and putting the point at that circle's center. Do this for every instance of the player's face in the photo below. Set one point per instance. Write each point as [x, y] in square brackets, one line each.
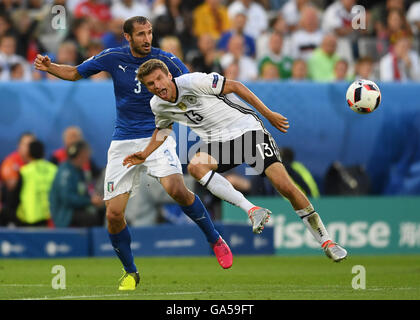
[140, 39]
[161, 85]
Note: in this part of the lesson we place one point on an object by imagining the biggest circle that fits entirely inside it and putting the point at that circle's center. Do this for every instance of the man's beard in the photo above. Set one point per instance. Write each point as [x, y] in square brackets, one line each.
[141, 50]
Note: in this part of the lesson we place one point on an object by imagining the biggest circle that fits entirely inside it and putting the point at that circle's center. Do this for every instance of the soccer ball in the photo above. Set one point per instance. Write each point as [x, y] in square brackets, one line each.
[363, 96]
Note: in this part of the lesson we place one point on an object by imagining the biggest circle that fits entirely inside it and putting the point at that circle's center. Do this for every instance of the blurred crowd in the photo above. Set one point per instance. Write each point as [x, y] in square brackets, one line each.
[317, 40]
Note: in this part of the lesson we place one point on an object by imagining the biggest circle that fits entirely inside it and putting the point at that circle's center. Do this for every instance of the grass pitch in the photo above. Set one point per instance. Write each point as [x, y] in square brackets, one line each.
[264, 277]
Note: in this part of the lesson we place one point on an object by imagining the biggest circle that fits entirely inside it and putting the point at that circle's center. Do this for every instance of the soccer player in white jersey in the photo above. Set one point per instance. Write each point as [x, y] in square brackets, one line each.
[134, 127]
[233, 134]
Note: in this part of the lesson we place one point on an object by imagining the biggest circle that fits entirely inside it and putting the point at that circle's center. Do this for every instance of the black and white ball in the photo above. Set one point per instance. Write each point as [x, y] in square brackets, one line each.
[363, 96]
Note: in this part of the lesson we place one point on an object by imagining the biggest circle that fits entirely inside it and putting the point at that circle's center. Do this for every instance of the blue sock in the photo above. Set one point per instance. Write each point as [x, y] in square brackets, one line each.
[198, 213]
[121, 244]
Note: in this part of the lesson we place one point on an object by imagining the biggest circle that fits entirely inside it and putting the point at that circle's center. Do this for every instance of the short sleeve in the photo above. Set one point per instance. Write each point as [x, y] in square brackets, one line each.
[91, 66]
[212, 83]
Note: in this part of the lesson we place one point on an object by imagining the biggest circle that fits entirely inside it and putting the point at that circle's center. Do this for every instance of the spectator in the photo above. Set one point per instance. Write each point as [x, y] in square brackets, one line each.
[80, 34]
[71, 135]
[8, 57]
[70, 203]
[114, 37]
[17, 72]
[231, 71]
[292, 11]
[308, 37]
[5, 24]
[379, 15]
[275, 55]
[337, 19]
[67, 54]
[413, 16]
[206, 58]
[210, 17]
[322, 61]
[97, 13]
[247, 67]
[341, 69]
[124, 9]
[172, 45]
[7, 6]
[238, 24]
[397, 27]
[257, 21]
[277, 24]
[9, 176]
[173, 17]
[28, 45]
[269, 71]
[299, 70]
[402, 64]
[33, 188]
[364, 69]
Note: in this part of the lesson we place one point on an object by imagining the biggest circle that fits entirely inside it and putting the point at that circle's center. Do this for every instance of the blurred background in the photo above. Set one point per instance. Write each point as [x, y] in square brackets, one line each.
[362, 172]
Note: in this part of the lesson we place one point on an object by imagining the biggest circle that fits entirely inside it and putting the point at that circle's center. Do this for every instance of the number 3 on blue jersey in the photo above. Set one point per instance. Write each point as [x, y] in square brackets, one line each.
[138, 84]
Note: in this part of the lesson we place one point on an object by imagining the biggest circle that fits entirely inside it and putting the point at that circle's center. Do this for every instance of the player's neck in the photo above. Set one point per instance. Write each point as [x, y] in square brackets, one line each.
[174, 90]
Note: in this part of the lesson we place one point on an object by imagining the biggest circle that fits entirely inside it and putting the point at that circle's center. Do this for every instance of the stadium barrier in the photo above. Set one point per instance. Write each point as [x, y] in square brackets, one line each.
[162, 240]
[322, 127]
[363, 225]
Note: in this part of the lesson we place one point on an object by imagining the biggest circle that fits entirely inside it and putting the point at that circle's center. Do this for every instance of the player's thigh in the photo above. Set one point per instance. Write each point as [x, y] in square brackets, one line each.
[201, 163]
[115, 207]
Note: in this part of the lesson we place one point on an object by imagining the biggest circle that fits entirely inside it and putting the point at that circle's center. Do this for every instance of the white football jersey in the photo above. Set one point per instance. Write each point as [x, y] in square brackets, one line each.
[201, 106]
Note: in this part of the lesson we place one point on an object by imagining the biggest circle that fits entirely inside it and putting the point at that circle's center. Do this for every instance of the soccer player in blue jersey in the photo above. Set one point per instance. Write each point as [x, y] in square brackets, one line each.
[134, 127]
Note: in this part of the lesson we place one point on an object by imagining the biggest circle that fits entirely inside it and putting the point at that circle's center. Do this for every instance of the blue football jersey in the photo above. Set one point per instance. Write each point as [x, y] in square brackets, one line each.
[134, 117]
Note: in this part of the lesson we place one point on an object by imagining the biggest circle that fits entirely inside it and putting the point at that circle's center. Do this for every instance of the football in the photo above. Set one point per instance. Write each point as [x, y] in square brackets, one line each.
[363, 96]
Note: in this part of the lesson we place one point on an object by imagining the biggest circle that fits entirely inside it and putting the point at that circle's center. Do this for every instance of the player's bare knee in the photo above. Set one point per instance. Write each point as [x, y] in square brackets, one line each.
[114, 216]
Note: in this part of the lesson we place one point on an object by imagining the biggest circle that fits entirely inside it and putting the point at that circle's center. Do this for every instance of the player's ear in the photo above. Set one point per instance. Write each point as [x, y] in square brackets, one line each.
[170, 75]
[127, 37]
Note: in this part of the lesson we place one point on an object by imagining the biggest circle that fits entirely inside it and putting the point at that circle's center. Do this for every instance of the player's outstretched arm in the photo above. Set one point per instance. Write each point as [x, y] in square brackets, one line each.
[158, 137]
[65, 72]
[276, 119]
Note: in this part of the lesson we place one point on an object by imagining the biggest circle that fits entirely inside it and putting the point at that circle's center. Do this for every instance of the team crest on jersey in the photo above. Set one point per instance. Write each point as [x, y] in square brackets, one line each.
[182, 106]
[191, 99]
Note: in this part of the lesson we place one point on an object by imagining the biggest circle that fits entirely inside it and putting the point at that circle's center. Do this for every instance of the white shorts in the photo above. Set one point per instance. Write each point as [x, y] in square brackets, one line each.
[120, 179]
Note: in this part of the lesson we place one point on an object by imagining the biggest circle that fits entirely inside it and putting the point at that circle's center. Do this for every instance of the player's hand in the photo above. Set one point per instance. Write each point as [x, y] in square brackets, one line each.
[42, 62]
[134, 159]
[279, 121]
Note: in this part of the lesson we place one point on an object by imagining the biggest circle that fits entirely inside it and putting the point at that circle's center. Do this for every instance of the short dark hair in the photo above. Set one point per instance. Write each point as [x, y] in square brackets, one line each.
[149, 66]
[36, 149]
[74, 150]
[128, 26]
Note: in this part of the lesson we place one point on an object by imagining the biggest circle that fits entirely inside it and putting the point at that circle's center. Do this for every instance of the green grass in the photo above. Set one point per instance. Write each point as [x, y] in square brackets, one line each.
[266, 277]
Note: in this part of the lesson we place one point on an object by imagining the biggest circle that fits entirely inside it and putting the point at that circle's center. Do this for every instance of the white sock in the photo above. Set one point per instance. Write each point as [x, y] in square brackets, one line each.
[313, 222]
[223, 189]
